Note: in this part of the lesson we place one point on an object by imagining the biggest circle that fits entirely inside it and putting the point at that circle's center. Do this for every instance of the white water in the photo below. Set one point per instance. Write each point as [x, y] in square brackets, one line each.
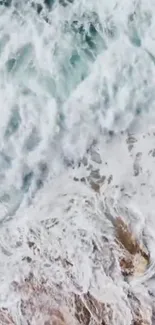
[58, 95]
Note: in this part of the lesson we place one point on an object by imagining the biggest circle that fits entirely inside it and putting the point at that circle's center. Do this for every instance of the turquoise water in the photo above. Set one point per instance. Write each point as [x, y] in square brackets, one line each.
[68, 68]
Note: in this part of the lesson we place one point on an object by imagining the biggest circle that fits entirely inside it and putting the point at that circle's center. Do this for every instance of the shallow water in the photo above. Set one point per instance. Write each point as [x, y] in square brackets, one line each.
[76, 78]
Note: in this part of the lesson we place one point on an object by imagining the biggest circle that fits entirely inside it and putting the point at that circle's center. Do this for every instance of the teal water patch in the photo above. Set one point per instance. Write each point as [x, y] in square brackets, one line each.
[134, 34]
[20, 59]
[75, 66]
[75, 58]
[134, 37]
[14, 123]
[89, 36]
[3, 42]
[64, 3]
[49, 3]
[5, 161]
[10, 65]
[27, 180]
[6, 3]
[47, 83]
[32, 140]
[152, 57]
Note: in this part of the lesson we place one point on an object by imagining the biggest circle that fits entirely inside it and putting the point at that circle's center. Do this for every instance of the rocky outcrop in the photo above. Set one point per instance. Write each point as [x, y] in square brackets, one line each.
[89, 310]
[5, 317]
[134, 258]
[141, 310]
[41, 303]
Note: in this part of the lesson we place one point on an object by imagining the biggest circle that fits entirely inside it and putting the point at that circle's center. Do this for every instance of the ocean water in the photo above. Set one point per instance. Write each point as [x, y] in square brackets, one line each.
[77, 137]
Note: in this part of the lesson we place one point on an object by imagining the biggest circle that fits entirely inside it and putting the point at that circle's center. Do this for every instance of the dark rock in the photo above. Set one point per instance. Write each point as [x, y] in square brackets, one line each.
[136, 168]
[130, 147]
[27, 258]
[83, 180]
[110, 179]
[30, 244]
[131, 140]
[81, 312]
[95, 186]
[76, 179]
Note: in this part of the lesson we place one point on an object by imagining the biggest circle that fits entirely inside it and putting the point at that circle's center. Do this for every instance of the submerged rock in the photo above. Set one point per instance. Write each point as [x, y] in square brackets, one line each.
[127, 265]
[44, 304]
[140, 264]
[125, 237]
[82, 314]
[134, 258]
[5, 318]
[142, 311]
[89, 310]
